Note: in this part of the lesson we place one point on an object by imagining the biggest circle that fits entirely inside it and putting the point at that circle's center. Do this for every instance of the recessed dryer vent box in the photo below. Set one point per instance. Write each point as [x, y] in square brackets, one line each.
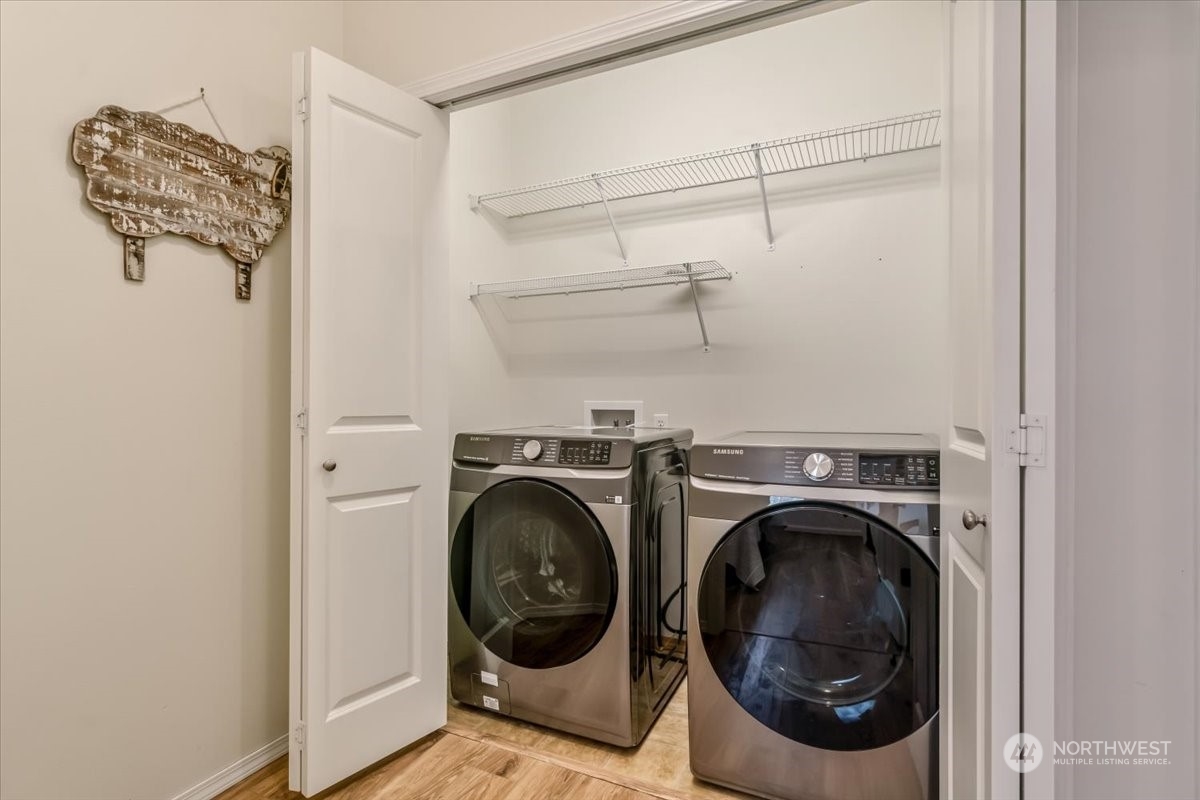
[611, 413]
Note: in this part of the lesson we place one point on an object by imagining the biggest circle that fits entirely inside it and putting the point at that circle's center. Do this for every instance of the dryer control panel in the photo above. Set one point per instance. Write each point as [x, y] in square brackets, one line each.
[818, 466]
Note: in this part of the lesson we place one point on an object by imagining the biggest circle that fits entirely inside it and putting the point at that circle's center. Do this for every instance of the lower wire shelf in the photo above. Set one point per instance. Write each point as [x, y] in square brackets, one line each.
[612, 280]
[608, 280]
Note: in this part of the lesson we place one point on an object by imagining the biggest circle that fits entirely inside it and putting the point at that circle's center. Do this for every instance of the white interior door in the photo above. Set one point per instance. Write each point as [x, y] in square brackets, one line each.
[369, 575]
[980, 577]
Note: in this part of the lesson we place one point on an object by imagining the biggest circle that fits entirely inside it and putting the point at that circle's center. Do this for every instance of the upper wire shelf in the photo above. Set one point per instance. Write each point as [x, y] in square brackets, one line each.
[839, 145]
[607, 280]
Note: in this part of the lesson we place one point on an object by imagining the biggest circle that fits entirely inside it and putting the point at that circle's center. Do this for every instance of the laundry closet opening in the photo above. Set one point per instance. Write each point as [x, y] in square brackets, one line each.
[833, 318]
[749, 235]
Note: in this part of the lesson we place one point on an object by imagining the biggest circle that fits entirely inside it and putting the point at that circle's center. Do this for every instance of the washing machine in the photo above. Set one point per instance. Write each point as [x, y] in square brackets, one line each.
[567, 554]
[813, 609]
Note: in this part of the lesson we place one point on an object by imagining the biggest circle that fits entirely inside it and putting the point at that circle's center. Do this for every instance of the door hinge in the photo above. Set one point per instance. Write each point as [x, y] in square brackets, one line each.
[302, 421]
[298, 735]
[1028, 440]
[302, 108]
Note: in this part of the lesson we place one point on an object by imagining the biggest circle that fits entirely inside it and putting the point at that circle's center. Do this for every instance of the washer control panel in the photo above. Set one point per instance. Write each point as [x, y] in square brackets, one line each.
[801, 466]
[898, 470]
[544, 451]
[590, 452]
[526, 451]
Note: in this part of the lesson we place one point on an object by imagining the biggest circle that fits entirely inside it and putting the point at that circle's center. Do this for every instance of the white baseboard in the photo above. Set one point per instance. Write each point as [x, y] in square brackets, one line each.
[242, 768]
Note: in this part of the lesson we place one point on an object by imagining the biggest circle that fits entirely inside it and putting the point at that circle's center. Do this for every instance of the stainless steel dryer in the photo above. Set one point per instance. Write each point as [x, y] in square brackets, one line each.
[567, 605]
[813, 583]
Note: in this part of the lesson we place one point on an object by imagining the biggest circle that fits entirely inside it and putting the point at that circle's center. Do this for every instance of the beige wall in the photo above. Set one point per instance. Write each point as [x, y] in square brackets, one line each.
[403, 42]
[144, 447]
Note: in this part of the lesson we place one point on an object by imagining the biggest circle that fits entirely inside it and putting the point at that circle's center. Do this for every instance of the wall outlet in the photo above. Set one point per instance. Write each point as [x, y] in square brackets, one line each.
[660, 420]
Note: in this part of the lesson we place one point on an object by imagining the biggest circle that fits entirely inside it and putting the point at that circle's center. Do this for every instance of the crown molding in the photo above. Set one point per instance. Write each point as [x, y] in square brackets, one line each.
[625, 38]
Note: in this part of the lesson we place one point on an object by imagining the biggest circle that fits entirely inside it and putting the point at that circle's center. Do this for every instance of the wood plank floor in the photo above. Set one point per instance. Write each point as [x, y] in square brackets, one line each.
[483, 756]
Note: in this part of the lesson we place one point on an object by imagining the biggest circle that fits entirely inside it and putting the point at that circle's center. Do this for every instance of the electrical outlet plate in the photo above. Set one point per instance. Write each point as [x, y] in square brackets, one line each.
[604, 413]
[661, 420]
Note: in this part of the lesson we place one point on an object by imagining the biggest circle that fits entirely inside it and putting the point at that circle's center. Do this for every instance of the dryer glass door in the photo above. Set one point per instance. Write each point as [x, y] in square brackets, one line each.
[821, 622]
[533, 574]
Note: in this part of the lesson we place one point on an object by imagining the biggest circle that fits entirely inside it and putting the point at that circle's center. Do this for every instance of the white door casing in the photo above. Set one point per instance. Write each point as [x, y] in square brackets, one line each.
[1040, 504]
[369, 281]
[980, 577]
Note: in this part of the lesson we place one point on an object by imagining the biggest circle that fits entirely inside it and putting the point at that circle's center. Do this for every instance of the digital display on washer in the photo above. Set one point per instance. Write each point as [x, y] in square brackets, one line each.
[585, 452]
[898, 470]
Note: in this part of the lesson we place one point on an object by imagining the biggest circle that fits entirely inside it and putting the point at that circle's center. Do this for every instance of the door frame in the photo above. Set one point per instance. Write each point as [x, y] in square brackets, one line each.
[297, 423]
[1046, 298]
[1045, 505]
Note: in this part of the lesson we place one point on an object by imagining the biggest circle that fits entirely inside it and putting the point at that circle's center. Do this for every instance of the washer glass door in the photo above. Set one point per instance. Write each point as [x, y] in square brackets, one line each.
[821, 622]
[533, 574]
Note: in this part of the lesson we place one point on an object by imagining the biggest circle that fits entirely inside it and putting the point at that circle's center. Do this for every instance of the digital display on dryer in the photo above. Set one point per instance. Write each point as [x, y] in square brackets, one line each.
[898, 470]
[596, 453]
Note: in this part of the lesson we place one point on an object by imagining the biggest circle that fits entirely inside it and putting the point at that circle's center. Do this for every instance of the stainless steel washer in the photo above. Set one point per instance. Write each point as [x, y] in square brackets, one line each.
[813, 586]
[567, 604]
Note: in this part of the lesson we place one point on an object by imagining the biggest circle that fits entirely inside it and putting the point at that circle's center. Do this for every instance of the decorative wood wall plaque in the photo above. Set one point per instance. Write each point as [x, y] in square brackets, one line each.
[152, 176]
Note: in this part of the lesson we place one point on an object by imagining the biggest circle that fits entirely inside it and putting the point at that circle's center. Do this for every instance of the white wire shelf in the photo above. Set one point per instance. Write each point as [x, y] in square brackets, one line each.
[608, 280]
[690, 273]
[839, 145]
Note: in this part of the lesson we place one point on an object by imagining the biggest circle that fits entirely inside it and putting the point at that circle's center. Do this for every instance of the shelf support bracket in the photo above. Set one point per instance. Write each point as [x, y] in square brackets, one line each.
[762, 190]
[699, 314]
[612, 222]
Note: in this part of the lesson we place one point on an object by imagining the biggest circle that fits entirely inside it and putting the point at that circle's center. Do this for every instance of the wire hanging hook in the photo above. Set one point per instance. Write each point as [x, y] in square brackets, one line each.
[200, 98]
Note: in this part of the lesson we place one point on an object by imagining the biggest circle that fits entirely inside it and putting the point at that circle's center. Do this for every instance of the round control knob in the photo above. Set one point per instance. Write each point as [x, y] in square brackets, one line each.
[532, 450]
[818, 466]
